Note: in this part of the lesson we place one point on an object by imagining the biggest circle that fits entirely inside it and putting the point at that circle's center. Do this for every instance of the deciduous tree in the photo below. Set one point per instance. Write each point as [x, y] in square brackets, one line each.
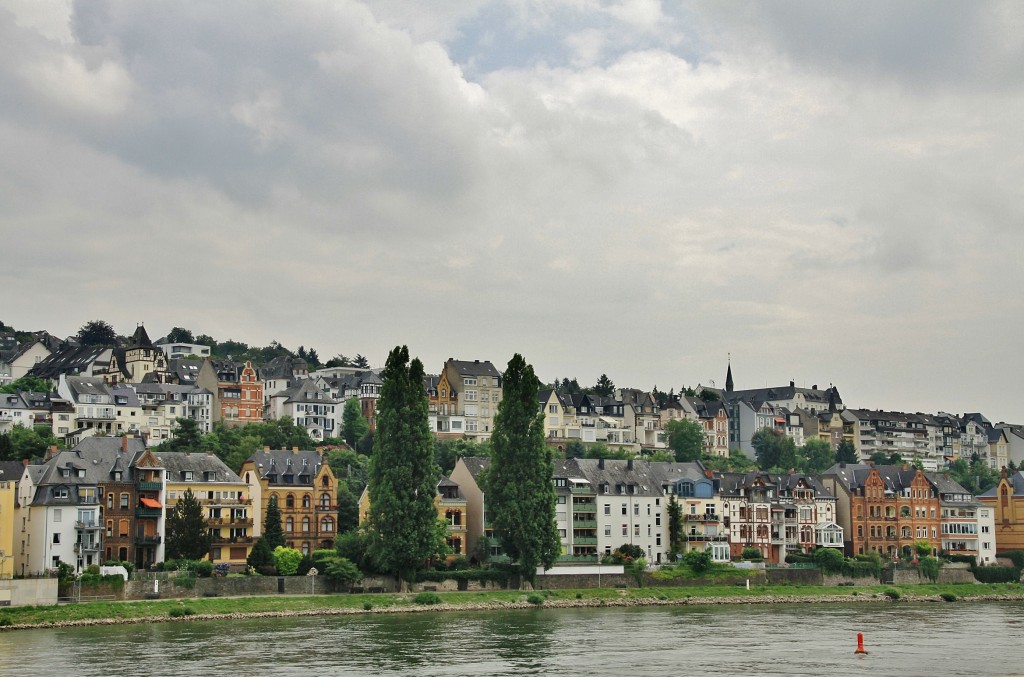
[816, 455]
[97, 333]
[774, 450]
[520, 492]
[685, 439]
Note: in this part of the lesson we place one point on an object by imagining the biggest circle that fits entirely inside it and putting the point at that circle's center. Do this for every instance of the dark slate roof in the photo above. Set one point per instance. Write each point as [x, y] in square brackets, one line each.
[280, 462]
[11, 471]
[476, 464]
[785, 393]
[474, 368]
[183, 370]
[733, 483]
[88, 385]
[283, 366]
[306, 391]
[176, 463]
[70, 359]
[1015, 479]
[110, 445]
[616, 472]
[140, 339]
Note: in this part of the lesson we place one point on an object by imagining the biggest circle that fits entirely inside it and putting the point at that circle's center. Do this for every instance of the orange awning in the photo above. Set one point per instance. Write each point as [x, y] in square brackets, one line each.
[150, 503]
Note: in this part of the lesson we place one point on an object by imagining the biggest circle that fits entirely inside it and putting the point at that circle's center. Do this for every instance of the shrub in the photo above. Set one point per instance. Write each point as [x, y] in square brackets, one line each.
[268, 570]
[179, 611]
[222, 569]
[948, 596]
[829, 559]
[1015, 556]
[203, 569]
[698, 561]
[579, 595]
[638, 568]
[997, 574]
[458, 564]
[93, 569]
[5, 621]
[287, 560]
[535, 599]
[891, 593]
[367, 606]
[751, 553]
[929, 567]
[427, 598]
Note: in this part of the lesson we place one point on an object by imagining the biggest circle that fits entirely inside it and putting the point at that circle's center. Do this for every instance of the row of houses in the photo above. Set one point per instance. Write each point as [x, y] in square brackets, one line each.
[108, 498]
[142, 387]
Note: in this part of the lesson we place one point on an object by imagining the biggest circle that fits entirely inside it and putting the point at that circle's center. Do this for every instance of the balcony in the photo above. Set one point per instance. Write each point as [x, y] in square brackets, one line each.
[224, 540]
[588, 508]
[584, 540]
[584, 524]
[87, 547]
[706, 538]
[149, 486]
[456, 527]
[704, 517]
[580, 489]
[149, 512]
[87, 526]
[147, 540]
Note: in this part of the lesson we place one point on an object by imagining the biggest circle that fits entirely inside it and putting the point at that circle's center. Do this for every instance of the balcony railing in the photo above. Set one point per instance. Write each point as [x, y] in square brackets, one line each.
[702, 517]
[87, 525]
[150, 486]
[584, 540]
[219, 540]
[584, 524]
[149, 512]
[147, 540]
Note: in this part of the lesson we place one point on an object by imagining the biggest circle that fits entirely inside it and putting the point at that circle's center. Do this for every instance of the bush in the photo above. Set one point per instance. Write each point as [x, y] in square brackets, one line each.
[203, 569]
[948, 596]
[5, 621]
[698, 561]
[1015, 556]
[752, 554]
[535, 599]
[222, 569]
[829, 559]
[498, 575]
[929, 567]
[427, 598]
[458, 564]
[367, 606]
[891, 594]
[997, 574]
[179, 611]
[287, 560]
[579, 595]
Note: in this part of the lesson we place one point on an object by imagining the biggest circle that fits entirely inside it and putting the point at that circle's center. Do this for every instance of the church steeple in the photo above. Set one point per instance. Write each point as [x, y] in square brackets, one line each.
[728, 376]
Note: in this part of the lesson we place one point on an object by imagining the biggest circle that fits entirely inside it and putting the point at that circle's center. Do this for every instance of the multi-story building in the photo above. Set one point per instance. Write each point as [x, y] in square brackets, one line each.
[467, 475]
[713, 416]
[965, 525]
[442, 407]
[309, 407]
[17, 362]
[704, 526]
[227, 504]
[306, 492]
[136, 362]
[237, 393]
[778, 514]
[477, 387]
[912, 436]
[1006, 503]
[10, 475]
[885, 508]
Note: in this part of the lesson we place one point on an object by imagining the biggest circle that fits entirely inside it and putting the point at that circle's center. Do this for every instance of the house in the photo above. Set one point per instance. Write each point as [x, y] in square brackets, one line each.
[310, 408]
[713, 416]
[225, 499]
[966, 526]
[10, 474]
[282, 373]
[131, 486]
[74, 360]
[477, 387]
[467, 475]
[306, 492]
[19, 361]
[700, 504]
[136, 362]
[366, 387]
[237, 393]
[173, 351]
[885, 508]
[778, 513]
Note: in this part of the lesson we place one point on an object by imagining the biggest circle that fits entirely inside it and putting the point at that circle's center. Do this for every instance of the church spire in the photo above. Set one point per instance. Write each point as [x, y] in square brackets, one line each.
[728, 376]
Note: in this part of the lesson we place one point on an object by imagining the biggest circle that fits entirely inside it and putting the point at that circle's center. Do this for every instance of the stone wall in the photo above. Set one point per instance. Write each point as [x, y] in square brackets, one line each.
[246, 586]
[840, 579]
[949, 573]
[794, 576]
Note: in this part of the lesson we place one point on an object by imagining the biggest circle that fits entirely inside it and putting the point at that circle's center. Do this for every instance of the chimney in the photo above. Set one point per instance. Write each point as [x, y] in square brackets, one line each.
[209, 453]
[295, 450]
[266, 448]
[629, 464]
[124, 443]
[51, 452]
[814, 387]
[792, 384]
[24, 461]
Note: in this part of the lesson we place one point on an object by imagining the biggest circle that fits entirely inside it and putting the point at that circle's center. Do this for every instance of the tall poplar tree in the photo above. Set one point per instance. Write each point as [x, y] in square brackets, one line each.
[520, 489]
[403, 475]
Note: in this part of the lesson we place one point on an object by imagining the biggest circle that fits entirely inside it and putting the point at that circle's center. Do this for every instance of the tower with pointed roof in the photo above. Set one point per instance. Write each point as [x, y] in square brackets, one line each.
[728, 377]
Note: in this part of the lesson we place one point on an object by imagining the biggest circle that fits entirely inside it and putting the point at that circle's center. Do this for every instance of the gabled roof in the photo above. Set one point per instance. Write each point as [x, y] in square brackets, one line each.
[11, 471]
[71, 359]
[177, 463]
[281, 462]
[476, 464]
[474, 368]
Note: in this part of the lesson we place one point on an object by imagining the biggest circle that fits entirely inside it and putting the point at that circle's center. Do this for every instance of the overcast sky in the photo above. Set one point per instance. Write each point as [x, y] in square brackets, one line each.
[832, 193]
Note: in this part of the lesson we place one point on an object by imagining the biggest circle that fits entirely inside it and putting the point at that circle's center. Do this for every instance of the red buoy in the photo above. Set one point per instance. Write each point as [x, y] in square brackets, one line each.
[860, 643]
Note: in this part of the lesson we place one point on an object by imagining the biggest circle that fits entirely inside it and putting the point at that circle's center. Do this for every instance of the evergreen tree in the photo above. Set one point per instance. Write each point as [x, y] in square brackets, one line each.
[353, 425]
[273, 533]
[520, 492]
[604, 386]
[262, 555]
[675, 527]
[403, 475]
[846, 453]
[187, 534]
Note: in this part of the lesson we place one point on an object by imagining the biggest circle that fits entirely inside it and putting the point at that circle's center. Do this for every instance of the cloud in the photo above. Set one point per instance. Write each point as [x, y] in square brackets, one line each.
[633, 188]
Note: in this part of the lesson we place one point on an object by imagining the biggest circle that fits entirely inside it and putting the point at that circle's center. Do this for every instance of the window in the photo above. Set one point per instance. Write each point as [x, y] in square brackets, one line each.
[608, 509]
[327, 524]
[305, 524]
[124, 501]
[56, 538]
[636, 509]
[608, 530]
[56, 516]
[289, 502]
[471, 396]
[307, 501]
[289, 525]
[625, 530]
[636, 529]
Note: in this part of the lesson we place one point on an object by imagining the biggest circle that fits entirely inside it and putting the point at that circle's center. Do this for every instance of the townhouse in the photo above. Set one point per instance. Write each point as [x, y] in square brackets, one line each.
[306, 491]
[236, 392]
[468, 474]
[477, 389]
[713, 416]
[778, 513]
[225, 499]
[309, 407]
[1005, 501]
[442, 407]
[20, 360]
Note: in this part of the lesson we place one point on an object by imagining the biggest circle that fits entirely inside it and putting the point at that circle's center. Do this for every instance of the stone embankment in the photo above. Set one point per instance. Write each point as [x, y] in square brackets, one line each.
[548, 603]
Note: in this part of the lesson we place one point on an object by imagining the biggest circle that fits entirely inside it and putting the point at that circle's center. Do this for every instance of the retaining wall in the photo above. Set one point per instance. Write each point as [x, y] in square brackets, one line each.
[28, 592]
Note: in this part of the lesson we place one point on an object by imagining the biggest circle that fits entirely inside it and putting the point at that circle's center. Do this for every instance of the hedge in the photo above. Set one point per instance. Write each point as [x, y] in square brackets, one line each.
[482, 575]
[997, 574]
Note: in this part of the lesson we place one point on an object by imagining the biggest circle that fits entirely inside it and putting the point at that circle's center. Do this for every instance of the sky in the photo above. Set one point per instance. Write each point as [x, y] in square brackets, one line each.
[822, 192]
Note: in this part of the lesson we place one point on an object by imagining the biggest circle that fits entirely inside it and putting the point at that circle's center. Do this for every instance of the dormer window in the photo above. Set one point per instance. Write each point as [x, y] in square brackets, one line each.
[117, 475]
[187, 475]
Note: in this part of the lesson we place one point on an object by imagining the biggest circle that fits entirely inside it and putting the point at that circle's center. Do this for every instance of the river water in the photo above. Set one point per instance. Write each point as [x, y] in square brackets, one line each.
[976, 638]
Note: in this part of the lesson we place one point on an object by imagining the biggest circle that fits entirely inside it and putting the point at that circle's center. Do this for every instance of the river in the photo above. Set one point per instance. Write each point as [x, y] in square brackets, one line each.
[964, 638]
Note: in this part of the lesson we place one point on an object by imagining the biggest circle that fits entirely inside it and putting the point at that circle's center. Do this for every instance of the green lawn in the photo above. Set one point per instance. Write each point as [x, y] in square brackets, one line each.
[232, 605]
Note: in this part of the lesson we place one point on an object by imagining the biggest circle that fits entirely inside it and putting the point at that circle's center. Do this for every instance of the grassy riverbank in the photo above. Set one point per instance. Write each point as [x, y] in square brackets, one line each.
[237, 607]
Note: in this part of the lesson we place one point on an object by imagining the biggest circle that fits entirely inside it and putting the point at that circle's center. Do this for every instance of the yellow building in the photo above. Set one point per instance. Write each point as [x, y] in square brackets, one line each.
[451, 509]
[226, 500]
[10, 472]
[1007, 499]
[306, 492]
